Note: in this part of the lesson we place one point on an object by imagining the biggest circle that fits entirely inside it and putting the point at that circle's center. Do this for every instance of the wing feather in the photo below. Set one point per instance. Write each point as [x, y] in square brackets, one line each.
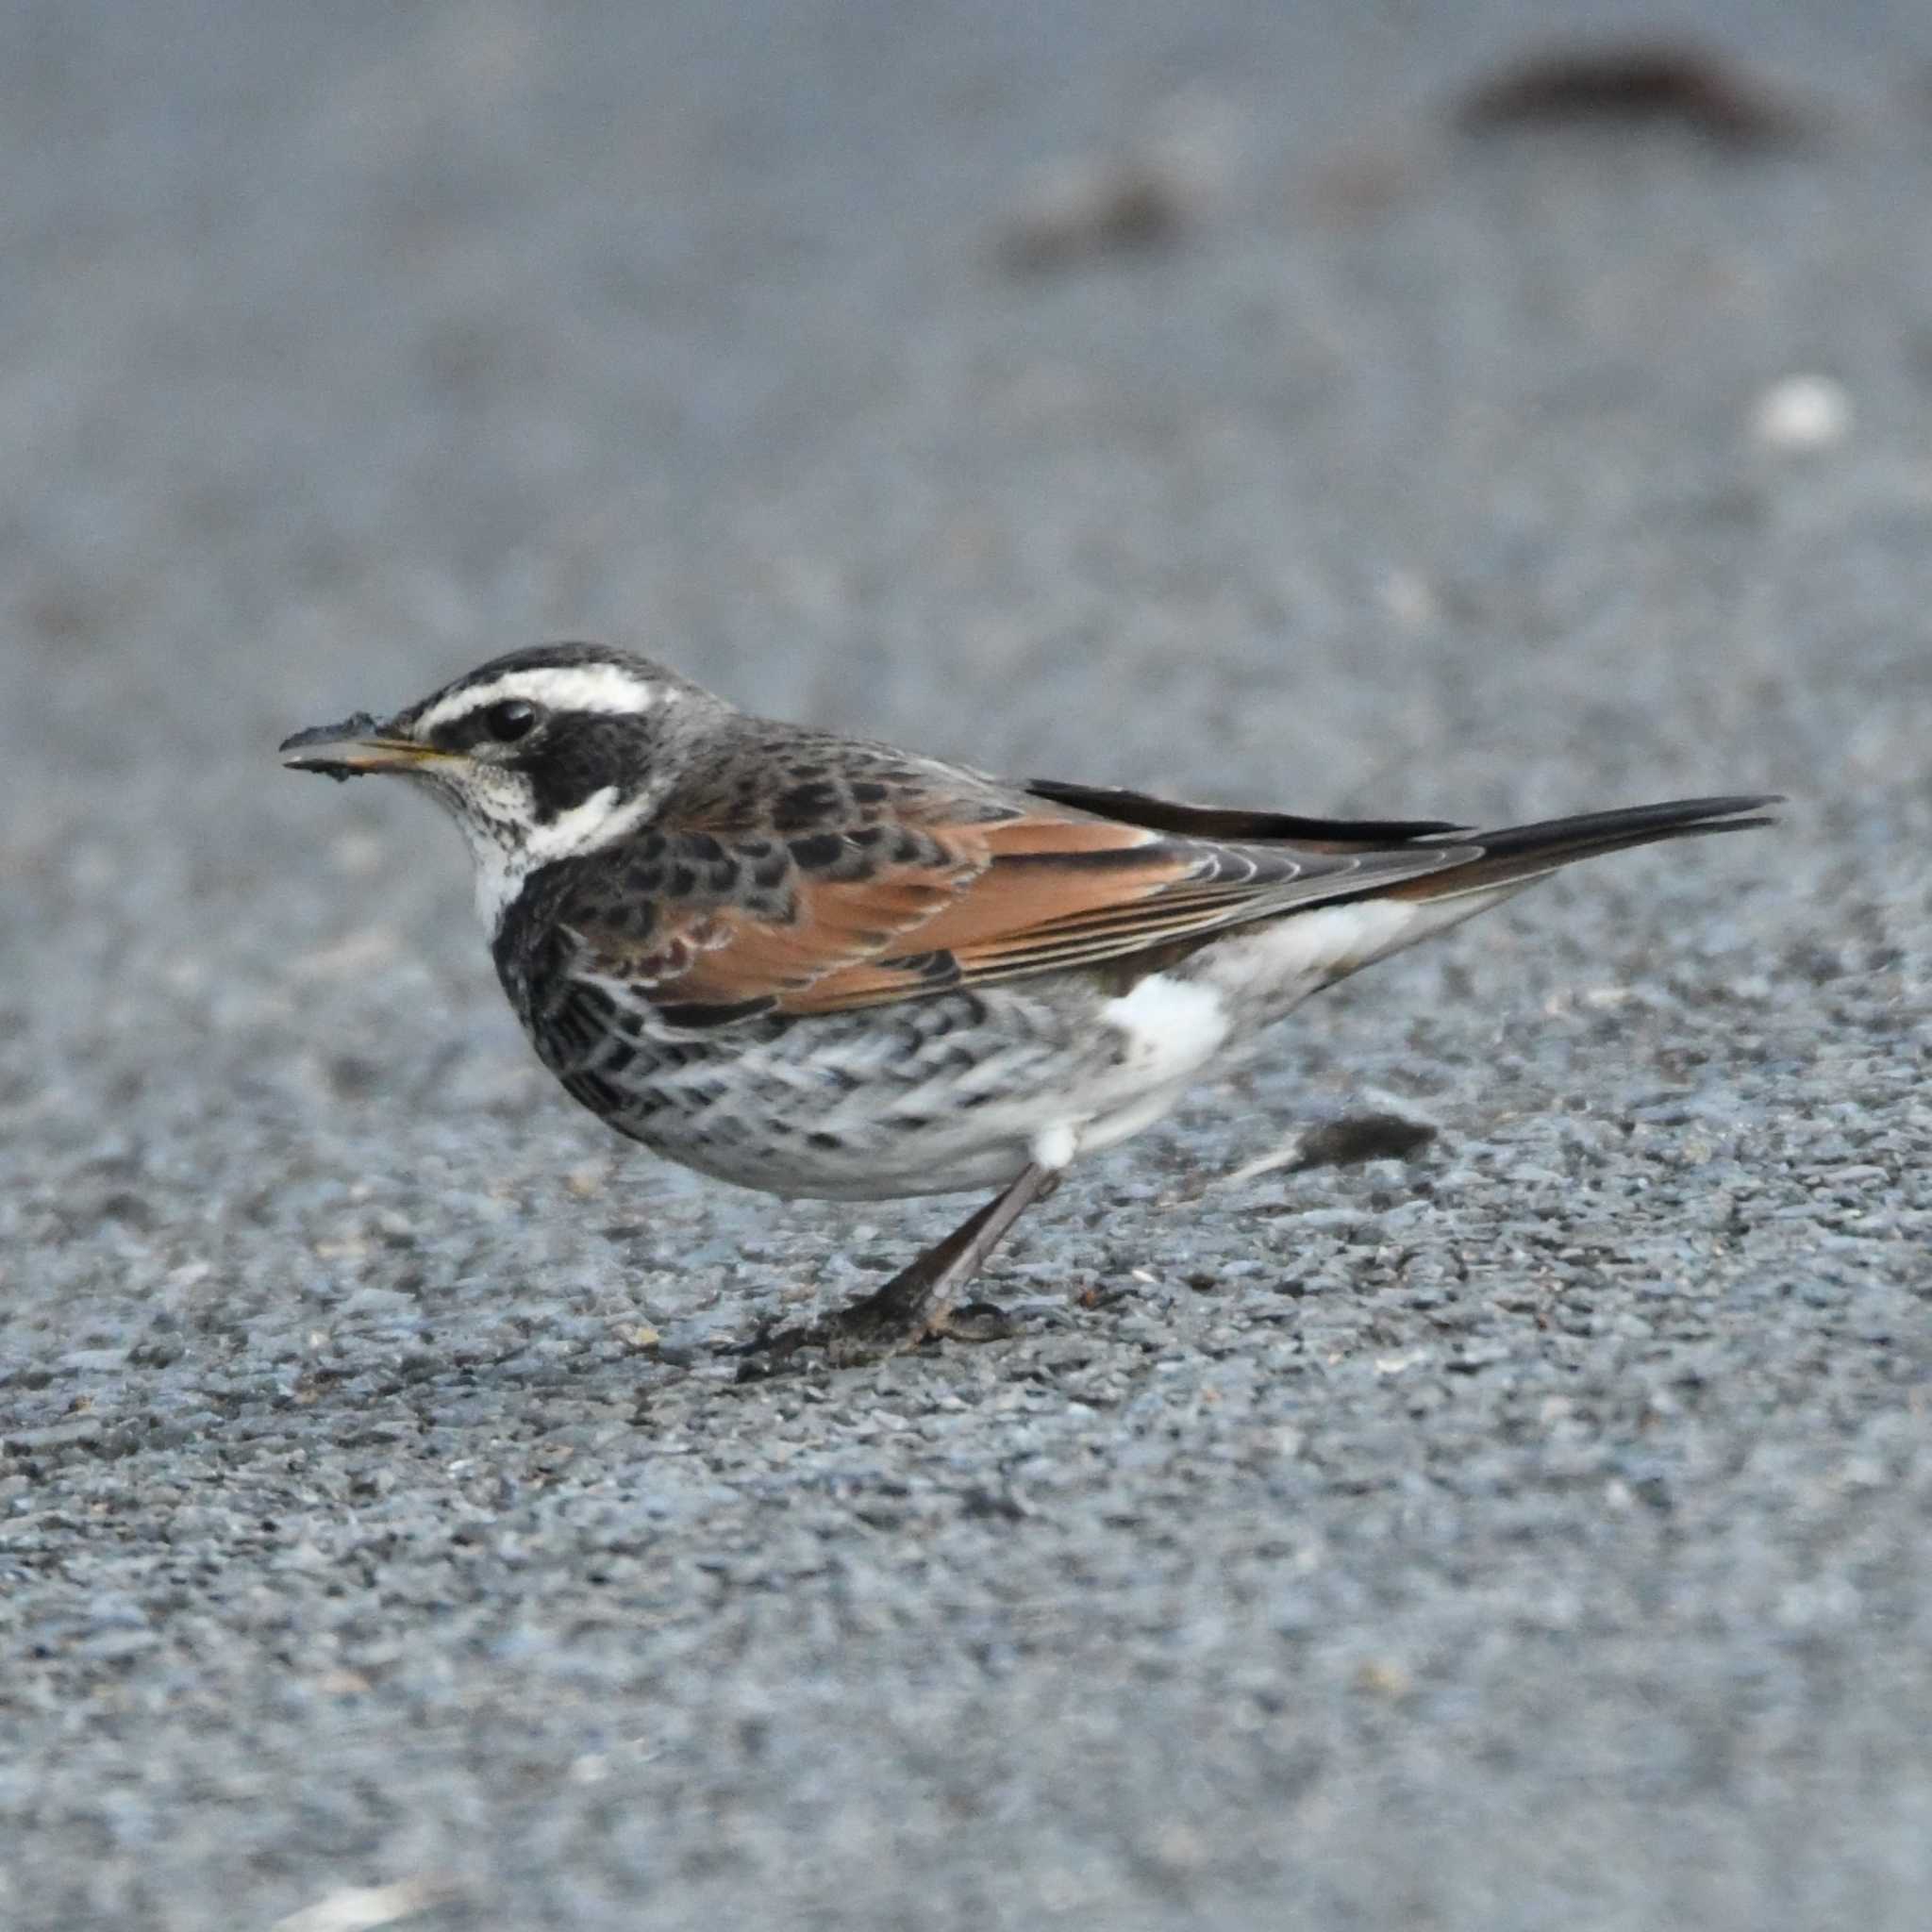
[932, 903]
[804, 874]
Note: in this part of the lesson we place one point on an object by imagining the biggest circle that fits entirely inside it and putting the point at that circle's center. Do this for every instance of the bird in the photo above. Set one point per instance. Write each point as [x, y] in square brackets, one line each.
[821, 966]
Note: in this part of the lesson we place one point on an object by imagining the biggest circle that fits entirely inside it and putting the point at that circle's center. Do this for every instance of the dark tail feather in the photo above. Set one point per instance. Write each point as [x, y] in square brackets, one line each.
[1233, 824]
[1527, 852]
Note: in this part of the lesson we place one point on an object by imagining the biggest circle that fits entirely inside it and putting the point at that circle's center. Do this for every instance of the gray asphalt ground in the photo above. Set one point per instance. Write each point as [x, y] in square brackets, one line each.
[1531, 1533]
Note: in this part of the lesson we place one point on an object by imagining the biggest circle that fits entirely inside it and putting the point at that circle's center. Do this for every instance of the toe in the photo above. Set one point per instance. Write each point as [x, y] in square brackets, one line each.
[975, 1322]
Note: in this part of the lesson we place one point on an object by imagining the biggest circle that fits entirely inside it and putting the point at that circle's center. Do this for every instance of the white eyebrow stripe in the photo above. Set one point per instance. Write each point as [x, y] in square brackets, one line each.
[556, 688]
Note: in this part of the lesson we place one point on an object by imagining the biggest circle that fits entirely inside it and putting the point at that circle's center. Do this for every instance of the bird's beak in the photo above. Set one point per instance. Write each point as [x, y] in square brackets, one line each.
[357, 745]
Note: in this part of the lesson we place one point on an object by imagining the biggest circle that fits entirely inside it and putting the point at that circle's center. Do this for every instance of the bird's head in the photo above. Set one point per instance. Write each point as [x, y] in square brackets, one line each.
[542, 755]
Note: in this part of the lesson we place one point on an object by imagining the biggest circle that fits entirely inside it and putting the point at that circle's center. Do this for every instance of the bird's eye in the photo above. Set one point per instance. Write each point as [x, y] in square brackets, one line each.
[505, 723]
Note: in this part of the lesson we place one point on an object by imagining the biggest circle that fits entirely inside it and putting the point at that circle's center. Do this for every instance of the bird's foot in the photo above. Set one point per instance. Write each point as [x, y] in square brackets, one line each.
[884, 1324]
[975, 1322]
[917, 1304]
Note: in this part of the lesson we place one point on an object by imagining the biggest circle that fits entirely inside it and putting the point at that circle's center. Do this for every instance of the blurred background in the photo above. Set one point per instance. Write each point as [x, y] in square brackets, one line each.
[830, 350]
[1475, 411]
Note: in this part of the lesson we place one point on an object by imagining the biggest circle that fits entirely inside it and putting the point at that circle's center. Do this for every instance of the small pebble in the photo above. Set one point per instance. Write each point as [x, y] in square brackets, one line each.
[1801, 413]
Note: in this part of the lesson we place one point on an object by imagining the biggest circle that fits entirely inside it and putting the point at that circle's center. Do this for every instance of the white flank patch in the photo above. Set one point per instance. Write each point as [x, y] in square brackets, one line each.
[556, 688]
[1174, 1026]
[1053, 1146]
[1312, 944]
[1309, 949]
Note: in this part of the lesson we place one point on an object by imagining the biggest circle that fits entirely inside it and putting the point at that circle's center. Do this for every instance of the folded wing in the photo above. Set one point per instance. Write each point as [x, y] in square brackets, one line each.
[724, 928]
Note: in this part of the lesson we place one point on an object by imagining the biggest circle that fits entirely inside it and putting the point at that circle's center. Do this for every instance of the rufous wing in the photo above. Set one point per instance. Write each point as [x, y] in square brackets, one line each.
[972, 902]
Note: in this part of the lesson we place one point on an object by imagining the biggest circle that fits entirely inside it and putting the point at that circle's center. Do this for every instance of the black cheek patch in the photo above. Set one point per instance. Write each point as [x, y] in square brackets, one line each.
[578, 755]
[560, 780]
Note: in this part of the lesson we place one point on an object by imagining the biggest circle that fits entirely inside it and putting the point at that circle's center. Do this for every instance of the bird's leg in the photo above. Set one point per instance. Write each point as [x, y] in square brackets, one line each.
[918, 1301]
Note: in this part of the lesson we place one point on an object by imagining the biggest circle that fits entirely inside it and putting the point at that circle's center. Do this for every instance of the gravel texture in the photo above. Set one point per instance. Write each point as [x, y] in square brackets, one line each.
[1534, 1529]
